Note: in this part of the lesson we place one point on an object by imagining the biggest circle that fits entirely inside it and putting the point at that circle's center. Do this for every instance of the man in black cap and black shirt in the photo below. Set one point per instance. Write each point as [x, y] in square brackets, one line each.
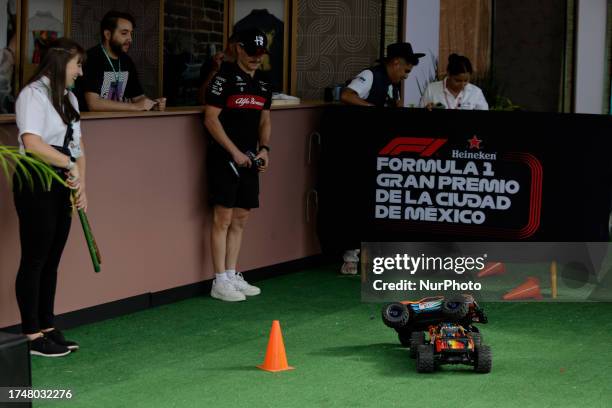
[237, 116]
[380, 85]
[222, 61]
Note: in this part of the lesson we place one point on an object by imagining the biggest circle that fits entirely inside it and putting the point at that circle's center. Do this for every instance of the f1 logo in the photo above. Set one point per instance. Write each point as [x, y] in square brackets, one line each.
[259, 40]
[426, 146]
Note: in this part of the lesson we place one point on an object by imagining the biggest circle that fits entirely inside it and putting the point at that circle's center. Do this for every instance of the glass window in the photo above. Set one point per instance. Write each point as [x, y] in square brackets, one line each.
[193, 33]
[8, 52]
[271, 17]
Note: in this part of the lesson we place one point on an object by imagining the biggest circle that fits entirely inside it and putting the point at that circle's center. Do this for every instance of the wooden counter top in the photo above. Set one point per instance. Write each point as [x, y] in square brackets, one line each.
[172, 111]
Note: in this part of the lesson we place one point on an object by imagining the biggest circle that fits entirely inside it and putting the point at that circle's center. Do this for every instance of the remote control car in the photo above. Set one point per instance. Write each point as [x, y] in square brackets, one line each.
[416, 316]
[450, 343]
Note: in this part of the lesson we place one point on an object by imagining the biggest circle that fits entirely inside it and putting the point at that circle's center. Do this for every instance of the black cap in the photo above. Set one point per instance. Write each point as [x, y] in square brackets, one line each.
[254, 41]
[403, 50]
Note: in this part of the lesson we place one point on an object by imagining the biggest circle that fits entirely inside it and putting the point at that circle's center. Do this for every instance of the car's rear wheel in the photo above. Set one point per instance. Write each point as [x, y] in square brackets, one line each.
[417, 339]
[425, 359]
[455, 307]
[395, 315]
[484, 359]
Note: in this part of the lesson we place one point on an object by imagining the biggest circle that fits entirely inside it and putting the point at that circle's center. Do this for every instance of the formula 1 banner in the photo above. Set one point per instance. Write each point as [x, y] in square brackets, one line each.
[413, 175]
[458, 187]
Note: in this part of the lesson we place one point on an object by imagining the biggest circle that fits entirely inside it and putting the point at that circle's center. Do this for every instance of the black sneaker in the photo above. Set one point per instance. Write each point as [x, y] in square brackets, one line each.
[58, 338]
[43, 346]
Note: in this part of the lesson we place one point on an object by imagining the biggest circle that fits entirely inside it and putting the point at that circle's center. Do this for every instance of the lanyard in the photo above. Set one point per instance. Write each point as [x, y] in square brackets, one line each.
[458, 100]
[111, 64]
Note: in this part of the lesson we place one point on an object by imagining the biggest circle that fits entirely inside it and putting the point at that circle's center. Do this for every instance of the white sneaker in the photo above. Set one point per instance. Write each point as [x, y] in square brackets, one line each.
[351, 259]
[349, 268]
[351, 255]
[225, 289]
[243, 286]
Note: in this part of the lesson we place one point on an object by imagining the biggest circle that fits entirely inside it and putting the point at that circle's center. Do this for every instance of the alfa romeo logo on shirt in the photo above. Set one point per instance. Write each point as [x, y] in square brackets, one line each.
[248, 101]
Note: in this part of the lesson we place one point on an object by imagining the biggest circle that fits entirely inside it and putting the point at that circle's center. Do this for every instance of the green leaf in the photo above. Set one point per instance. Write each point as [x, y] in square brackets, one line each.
[12, 160]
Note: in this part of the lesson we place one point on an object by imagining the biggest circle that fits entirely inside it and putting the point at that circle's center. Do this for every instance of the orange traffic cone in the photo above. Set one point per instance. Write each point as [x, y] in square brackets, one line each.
[492, 268]
[276, 359]
[530, 289]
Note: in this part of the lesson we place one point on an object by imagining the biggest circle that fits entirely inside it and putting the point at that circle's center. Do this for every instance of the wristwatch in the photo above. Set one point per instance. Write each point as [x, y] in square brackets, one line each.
[264, 147]
[71, 162]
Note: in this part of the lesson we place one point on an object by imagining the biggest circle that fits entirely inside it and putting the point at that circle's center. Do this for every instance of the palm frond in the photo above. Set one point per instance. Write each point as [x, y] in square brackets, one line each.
[28, 167]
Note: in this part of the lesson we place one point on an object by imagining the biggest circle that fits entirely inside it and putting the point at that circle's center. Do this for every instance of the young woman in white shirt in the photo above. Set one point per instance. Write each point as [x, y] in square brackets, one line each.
[48, 119]
[455, 91]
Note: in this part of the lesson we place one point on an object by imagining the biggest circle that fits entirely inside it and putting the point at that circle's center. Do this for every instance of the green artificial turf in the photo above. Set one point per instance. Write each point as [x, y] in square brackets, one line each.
[203, 353]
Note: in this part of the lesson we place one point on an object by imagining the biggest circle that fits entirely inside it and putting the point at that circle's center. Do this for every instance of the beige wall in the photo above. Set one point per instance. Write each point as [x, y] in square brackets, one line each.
[147, 194]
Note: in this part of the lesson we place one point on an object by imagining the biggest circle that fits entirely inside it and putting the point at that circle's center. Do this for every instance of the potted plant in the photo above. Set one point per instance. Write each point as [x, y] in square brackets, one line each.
[493, 91]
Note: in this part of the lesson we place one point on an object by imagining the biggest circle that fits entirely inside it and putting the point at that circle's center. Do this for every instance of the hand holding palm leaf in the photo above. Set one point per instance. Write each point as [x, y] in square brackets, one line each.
[29, 169]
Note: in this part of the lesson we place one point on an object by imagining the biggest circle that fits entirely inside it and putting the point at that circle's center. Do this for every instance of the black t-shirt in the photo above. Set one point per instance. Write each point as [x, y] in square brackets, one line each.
[120, 85]
[242, 99]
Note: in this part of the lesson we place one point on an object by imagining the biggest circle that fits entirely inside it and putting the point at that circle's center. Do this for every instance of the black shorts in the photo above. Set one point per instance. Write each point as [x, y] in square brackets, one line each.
[227, 189]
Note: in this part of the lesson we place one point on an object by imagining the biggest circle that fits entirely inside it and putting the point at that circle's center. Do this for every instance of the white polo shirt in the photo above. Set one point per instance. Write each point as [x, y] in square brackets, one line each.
[470, 98]
[362, 84]
[35, 114]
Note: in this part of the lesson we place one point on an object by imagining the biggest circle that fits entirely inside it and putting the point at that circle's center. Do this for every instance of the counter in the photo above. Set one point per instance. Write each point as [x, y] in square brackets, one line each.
[146, 184]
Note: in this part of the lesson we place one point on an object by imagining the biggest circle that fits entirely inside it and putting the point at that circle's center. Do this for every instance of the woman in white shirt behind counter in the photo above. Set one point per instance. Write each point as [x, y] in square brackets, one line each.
[48, 119]
[455, 91]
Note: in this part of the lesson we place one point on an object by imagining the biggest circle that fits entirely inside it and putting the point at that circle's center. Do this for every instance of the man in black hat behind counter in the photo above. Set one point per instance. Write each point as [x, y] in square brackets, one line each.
[380, 85]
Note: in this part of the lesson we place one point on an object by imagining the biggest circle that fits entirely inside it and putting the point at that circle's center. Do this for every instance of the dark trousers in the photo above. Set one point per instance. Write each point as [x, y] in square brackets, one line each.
[44, 224]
